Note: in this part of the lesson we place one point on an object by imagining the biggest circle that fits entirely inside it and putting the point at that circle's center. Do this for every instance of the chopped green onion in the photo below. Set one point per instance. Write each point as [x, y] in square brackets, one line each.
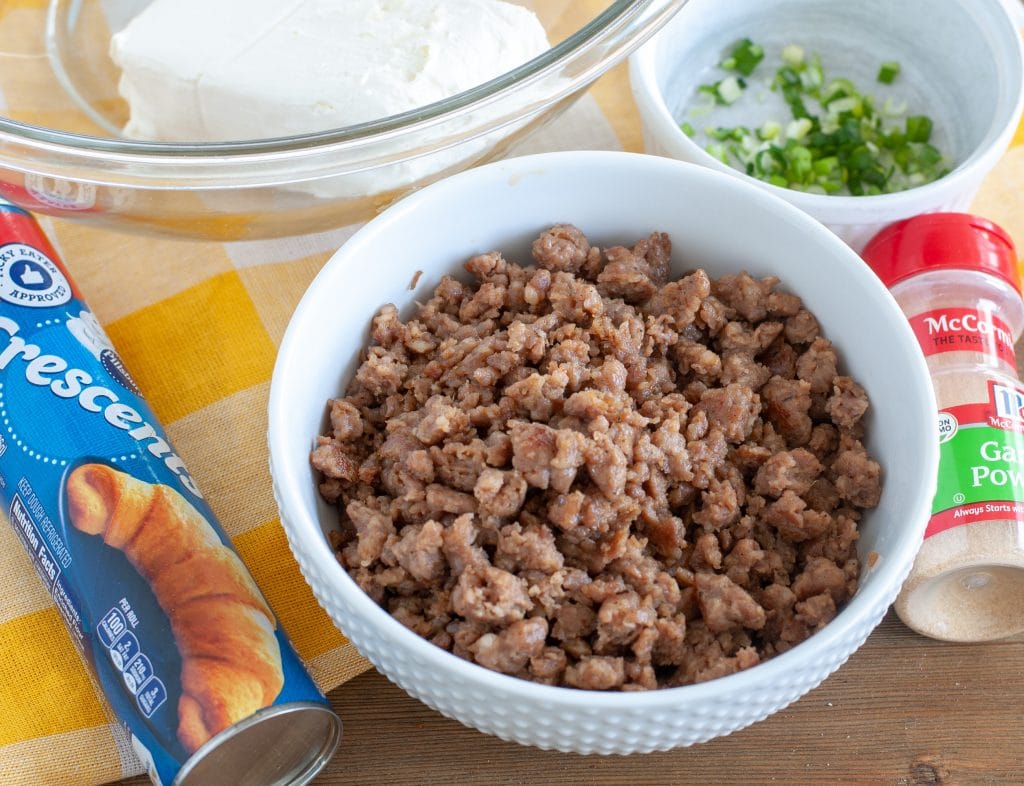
[787, 75]
[839, 88]
[723, 134]
[793, 55]
[928, 156]
[836, 142]
[688, 129]
[888, 72]
[730, 89]
[813, 75]
[825, 166]
[770, 130]
[798, 128]
[744, 58]
[893, 108]
[719, 152]
[851, 104]
[727, 91]
[919, 128]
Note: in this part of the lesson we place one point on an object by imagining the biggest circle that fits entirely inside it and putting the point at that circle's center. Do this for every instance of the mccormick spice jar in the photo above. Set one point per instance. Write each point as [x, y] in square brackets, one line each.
[955, 276]
[175, 630]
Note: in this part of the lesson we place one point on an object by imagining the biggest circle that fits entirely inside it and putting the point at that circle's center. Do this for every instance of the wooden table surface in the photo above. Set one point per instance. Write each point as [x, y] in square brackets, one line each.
[903, 711]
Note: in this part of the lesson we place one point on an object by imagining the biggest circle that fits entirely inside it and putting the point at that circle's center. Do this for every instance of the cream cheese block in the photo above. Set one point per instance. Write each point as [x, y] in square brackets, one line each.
[219, 70]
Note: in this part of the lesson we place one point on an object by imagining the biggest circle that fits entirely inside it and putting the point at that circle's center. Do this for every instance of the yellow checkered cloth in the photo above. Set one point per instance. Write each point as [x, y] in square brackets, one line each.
[198, 325]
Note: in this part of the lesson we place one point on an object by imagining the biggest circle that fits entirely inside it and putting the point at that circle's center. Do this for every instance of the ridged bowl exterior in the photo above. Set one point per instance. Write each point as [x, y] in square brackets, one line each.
[458, 692]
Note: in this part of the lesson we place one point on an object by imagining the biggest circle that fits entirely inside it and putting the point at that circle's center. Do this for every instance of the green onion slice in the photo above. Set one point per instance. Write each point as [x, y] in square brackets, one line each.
[888, 71]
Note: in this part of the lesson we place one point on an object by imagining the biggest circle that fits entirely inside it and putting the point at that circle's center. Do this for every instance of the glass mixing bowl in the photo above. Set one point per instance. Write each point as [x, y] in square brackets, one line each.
[61, 154]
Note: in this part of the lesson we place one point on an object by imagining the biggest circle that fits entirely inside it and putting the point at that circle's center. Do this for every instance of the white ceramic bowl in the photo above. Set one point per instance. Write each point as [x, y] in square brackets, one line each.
[961, 63]
[715, 221]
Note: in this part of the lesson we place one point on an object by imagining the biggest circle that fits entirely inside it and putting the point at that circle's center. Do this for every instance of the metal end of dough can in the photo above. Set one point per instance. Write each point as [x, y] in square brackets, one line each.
[281, 745]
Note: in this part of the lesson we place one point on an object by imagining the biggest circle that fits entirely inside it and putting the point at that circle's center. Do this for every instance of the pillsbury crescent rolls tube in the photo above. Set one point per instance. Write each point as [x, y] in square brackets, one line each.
[176, 632]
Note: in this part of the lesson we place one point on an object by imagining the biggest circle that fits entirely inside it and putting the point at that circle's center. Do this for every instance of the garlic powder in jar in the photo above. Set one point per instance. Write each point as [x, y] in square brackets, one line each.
[955, 277]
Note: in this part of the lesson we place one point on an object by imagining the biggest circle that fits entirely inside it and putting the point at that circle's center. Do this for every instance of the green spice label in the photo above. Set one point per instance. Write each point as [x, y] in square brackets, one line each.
[981, 463]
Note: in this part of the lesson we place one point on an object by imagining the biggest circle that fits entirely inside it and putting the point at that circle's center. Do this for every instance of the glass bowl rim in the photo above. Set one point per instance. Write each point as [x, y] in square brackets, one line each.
[577, 44]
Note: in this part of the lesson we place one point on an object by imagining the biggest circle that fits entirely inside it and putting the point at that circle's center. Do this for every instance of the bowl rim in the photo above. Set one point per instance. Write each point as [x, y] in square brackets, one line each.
[618, 19]
[659, 122]
[312, 550]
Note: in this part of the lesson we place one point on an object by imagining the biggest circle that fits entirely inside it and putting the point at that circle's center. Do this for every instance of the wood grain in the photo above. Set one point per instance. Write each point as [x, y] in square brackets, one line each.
[903, 711]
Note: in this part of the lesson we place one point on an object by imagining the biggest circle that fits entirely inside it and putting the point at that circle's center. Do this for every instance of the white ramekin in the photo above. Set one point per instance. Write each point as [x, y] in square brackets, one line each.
[716, 222]
[961, 63]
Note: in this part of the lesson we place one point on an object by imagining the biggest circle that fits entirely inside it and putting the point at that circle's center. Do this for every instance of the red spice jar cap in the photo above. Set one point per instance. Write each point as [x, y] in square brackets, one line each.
[942, 241]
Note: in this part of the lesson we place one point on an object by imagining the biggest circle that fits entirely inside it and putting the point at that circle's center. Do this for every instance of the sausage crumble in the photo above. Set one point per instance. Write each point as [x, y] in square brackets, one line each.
[581, 473]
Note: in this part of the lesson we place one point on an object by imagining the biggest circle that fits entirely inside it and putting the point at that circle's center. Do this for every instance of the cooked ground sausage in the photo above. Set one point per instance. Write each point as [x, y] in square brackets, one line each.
[580, 473]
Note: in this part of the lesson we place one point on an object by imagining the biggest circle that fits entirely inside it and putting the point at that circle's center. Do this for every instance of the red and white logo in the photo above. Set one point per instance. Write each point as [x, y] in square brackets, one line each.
[963, 330]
